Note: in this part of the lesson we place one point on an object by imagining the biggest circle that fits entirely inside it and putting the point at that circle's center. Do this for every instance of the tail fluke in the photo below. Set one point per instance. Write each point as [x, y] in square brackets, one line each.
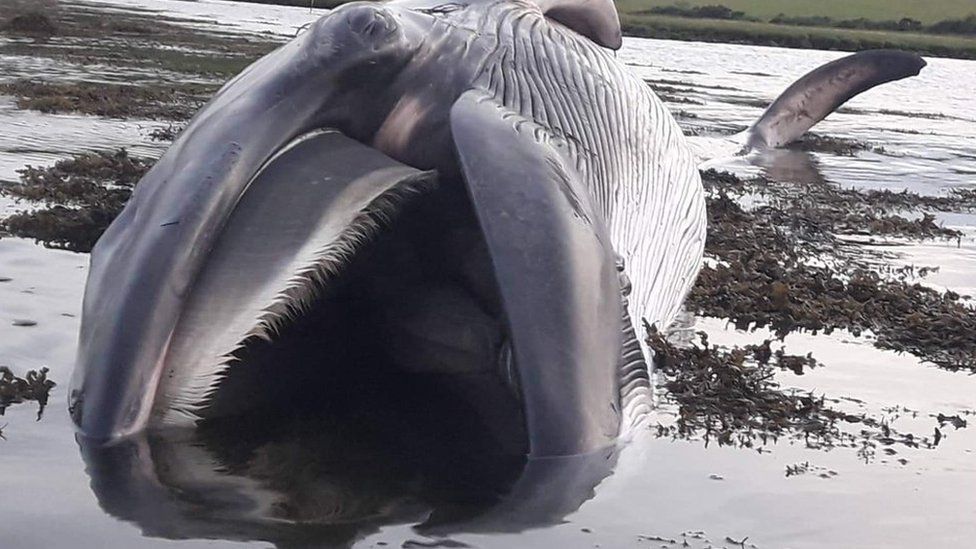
[811, 98]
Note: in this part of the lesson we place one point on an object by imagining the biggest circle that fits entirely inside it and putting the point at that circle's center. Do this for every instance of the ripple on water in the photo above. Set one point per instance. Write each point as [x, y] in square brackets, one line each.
[40, 139]
[925, 122]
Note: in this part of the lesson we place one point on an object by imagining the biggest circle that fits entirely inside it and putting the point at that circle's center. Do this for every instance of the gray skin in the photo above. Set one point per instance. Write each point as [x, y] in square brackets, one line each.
[386, 77]
[557, 200]
[819, 93]
[808, 101]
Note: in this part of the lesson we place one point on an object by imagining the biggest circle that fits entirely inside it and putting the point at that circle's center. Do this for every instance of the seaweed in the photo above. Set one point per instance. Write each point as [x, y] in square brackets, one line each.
[138, 39]
[33, 387]
[730, 396]
[783, 265]
[812, 142]
[82, 195]
[724, 393]
[158, 102]
[169, 133]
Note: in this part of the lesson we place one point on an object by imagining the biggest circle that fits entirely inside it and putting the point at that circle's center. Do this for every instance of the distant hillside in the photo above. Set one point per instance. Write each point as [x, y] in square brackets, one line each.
[926, 11]
[945, 28]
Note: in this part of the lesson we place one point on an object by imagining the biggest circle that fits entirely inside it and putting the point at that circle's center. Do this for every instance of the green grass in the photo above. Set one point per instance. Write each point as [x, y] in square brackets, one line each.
[747, 32]
[926, 11]
[761, 33]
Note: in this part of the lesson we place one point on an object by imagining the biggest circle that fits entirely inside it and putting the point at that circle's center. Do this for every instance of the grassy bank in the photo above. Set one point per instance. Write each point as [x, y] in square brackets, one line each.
[769, 34]
[929, 11]
[637, 20]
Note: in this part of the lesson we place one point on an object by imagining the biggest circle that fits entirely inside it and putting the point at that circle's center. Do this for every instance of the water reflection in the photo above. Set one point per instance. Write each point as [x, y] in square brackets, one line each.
[325, 482]
[789, 165]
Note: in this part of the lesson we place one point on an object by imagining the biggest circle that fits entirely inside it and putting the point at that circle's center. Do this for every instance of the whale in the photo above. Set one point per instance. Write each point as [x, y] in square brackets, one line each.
[473, 199]
[806, 102]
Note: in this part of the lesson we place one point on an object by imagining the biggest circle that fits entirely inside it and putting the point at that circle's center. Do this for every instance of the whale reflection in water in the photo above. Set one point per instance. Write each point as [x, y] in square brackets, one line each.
[797, 166]
[392, 453]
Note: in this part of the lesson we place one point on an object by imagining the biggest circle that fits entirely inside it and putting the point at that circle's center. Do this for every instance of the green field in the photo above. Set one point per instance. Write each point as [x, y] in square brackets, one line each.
[636, 21]
[926, 11]
[767, 34]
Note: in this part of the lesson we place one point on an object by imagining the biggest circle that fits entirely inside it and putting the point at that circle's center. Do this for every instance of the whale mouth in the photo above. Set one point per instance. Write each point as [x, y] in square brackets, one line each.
[398, 317]
[331, 277]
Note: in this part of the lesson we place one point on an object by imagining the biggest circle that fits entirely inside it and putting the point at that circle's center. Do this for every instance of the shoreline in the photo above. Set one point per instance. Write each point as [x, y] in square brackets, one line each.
[795, 37]
[666, 27]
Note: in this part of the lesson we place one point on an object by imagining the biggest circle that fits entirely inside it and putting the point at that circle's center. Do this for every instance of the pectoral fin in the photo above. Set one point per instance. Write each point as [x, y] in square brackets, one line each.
[822, 91]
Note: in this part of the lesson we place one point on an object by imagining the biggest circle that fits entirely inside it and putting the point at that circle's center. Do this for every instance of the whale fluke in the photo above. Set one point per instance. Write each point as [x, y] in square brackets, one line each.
[811, 98]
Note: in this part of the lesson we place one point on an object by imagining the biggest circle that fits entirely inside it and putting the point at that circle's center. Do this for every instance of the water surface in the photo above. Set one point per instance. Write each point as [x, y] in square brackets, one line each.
[197, 492]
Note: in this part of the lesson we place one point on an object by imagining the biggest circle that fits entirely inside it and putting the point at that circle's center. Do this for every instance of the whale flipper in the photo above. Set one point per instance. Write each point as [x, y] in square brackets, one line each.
[561, 295]
[811, 98]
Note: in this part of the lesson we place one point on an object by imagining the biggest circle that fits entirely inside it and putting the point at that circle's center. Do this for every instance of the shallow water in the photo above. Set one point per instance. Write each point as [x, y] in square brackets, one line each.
[169, 488]
[925, 124]
[38, 139]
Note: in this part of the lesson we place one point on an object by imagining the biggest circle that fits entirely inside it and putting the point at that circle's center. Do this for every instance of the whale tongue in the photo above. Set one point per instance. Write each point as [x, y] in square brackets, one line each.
[300, 222]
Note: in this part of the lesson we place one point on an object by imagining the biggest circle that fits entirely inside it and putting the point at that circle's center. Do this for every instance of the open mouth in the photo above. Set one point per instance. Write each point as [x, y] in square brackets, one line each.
[393, 319]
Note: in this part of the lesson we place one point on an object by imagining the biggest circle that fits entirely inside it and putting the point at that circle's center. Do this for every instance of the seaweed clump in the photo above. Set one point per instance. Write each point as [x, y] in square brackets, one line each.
[34, 386]
[783, 265]
[169, 133]
[723, 393]
[158, 102]
[83, 193]
[32, 24]
[729, 396]
[812, 142]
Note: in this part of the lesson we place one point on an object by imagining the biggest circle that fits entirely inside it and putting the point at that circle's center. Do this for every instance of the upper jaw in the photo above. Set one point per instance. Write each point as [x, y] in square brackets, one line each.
[154, 345]
[268, 269]
[146, 264]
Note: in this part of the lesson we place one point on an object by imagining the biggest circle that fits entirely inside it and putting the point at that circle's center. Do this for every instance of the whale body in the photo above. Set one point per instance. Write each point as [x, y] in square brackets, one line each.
[473, 195]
